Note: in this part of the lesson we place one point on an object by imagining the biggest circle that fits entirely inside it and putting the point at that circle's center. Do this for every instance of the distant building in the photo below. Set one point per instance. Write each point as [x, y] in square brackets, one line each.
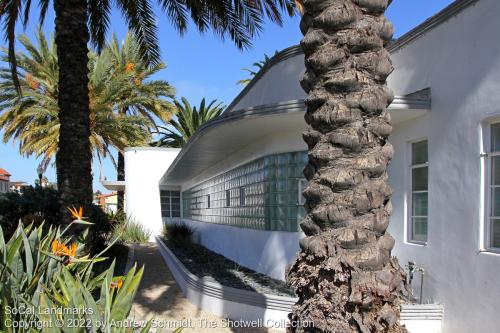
[4, 181]
[108, 202]
[18, 186]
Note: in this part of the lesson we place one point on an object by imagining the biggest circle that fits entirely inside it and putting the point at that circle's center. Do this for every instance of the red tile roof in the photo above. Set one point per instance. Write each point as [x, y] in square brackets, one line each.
[4, 175]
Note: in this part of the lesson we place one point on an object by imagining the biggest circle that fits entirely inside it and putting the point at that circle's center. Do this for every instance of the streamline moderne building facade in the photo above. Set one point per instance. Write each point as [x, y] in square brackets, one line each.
[238, 181]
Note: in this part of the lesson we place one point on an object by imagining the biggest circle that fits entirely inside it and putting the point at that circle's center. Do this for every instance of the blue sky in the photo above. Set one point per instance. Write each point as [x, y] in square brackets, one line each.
[204, 66]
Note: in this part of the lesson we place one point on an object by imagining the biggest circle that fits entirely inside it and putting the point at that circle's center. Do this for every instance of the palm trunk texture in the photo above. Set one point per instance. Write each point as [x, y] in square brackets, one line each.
[74, 172]
[120, 177]
[344, 275]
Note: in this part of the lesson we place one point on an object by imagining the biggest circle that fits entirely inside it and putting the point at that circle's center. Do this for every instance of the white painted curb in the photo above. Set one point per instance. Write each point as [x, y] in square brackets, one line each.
[236, 304]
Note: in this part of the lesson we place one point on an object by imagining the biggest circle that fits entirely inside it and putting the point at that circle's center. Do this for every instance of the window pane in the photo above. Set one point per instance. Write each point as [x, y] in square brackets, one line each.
[419, 204]
[495, 202]
[419, 179]
[419, 152]
[495, 233]
[419, 229]
[495, 170]
[495, 137]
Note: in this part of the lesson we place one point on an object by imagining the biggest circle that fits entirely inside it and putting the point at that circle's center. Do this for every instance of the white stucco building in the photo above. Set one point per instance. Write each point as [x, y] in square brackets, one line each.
[238, 181]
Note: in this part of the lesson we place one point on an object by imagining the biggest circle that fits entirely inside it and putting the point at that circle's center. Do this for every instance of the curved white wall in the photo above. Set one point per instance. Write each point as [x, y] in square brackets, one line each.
[280, 83]
[143, 169]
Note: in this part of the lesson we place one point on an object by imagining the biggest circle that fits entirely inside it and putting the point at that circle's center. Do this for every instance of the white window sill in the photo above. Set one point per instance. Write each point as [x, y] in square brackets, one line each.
[415, 243]
[494, 252]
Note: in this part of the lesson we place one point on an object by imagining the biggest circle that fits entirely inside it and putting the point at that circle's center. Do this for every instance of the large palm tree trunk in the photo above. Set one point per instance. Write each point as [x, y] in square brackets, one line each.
[344, 275]
[74, 173]
[120, 177]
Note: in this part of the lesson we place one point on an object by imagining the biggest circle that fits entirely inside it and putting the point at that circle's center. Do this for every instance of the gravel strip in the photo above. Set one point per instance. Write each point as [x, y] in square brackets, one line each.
[207, 264]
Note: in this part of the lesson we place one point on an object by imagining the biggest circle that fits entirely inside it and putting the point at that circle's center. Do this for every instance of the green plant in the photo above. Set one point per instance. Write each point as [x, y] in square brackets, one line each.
[259, 65]
[31, 205]
[129, 231]
[178, 233]
[187, 121]
[33, 120]
[47, 272]
[39, 205]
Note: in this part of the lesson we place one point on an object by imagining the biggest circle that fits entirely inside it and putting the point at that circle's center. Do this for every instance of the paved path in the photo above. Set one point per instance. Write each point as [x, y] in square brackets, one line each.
[161, 298]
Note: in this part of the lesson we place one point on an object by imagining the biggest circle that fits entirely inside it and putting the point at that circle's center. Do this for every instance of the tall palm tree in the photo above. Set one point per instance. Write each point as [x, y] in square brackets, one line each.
[33, 121]
[79, 21]
[258, 66]
[344, 276]
[188, 120]
[146, 99]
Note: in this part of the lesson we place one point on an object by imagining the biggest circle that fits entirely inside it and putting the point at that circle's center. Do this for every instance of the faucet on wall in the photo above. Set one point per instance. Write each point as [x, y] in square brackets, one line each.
[412, 270]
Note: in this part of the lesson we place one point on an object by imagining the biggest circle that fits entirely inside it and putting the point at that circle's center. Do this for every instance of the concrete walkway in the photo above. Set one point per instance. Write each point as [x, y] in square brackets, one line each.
[160, 297]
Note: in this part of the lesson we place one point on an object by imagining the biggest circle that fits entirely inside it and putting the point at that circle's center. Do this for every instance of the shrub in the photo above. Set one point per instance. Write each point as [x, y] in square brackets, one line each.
[178, 233]
[48, 272]
[32, 205]
[129, 231]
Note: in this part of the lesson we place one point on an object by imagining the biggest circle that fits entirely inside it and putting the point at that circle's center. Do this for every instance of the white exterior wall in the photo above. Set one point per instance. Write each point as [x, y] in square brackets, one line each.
[279, 84]
[143, 169]
[460, 61]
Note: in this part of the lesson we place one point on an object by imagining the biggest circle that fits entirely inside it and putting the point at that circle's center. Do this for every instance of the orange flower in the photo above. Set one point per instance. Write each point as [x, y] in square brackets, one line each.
[117, 284]
[61, 250]
[72, 250]
[129, 67]
[76, 214]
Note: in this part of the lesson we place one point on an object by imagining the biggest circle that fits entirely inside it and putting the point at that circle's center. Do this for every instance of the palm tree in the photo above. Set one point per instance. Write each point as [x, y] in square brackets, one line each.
[259, 65]
[33, 121]
[188, 120]
[344, 276]
[79, 21]
[146, 99]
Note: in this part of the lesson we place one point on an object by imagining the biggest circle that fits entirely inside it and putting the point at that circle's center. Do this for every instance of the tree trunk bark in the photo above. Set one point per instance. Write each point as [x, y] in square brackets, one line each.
[73, 161]
[120, 173]
[121, 176]
[344, 275]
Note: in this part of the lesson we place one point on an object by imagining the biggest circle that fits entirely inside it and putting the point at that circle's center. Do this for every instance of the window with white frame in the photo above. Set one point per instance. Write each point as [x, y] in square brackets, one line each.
[493, 166]
[419, 184]
[243, 199]
[302, 186]
[170, 203]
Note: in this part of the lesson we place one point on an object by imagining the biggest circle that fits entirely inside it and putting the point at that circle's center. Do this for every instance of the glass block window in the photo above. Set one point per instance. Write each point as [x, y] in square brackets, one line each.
[493, 227]
[302, 186]
[262, 194]
[228, 198]
[242, 197]
[170, 203]
[419, 171]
